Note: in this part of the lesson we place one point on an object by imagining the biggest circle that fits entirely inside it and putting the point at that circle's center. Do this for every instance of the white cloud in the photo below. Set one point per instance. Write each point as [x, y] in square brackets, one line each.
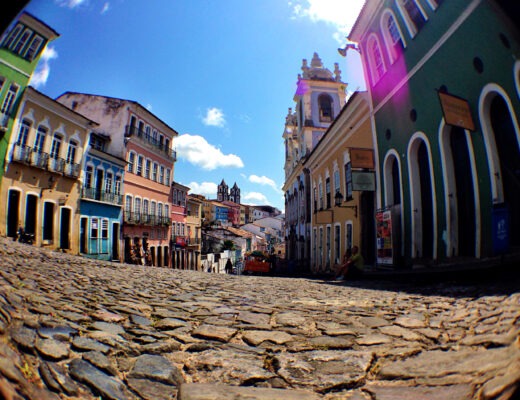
[341, 14]
[149, 107]
[41, 74]
[208, 189]
[197, 151]
[70, 3]
[105, 8]
[214, 117]
[263, 180]
[255, 198]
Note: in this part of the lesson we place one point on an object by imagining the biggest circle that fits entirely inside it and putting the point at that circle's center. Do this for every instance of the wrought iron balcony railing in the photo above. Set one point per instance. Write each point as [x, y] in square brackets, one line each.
[39, 159]
[131, 217]
[101, 195]
[133, 131]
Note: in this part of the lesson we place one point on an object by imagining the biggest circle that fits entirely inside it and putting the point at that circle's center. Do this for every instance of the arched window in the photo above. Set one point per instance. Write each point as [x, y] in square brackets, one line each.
[131, 162]
[375, 59]
[325, 106]
[413, 15]
[23, 133]
[392, 35]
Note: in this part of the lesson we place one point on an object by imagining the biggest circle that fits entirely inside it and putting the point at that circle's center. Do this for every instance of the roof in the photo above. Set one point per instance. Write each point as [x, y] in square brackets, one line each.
[129, 101]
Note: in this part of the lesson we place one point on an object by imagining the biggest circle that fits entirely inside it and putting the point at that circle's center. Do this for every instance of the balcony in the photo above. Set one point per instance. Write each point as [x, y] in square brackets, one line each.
[133, 131]
[134, 218]
[101, 195]
[30, 156]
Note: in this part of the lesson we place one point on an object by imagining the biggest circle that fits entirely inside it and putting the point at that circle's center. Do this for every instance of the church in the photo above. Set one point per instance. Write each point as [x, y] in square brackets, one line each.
[226, 194]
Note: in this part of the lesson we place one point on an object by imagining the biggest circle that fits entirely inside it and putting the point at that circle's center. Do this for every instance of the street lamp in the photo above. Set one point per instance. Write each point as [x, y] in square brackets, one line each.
[343, 51]
[338, 199]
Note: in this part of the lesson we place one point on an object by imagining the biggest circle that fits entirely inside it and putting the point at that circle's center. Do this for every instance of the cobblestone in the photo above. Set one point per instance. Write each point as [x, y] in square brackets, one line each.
[80, 329]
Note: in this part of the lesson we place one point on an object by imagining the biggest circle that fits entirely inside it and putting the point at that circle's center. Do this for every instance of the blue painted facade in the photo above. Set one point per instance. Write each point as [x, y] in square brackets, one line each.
[101, 206]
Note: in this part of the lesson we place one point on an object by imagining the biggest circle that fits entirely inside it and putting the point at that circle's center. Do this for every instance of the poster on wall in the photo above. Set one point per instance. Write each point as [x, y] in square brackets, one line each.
[384, 237]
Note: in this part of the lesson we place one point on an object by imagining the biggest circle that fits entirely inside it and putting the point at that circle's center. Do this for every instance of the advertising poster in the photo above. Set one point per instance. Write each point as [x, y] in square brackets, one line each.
[384, 237]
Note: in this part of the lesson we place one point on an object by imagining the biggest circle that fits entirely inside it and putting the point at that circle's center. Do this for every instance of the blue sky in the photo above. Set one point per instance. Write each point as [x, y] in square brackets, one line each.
[221, 73]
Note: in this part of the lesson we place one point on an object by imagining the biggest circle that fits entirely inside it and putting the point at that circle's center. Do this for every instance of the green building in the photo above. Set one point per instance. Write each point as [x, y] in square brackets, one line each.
[20, 49]
[444, 82]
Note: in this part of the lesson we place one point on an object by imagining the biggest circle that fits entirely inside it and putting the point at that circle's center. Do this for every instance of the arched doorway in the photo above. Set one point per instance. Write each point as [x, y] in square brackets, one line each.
[507, 147]
[422, 202]
[393, 199]
[460, 188]
[13, 212]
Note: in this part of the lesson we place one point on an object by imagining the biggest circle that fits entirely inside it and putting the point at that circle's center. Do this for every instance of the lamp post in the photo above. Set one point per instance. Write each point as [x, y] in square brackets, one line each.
[338, 200]
[343, 51]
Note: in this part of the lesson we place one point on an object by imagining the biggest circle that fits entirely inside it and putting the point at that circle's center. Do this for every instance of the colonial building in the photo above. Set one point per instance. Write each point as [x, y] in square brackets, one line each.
[319, 97]
[194, 232]
[444, 78]
[101, 200]
[146, 143]
[178, 238]
[42, 176]
[341, 168]
[20, 49]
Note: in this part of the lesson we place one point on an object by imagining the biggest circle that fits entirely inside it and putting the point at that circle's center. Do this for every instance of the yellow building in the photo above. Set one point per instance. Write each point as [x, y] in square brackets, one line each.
[342, 187]
[193, 224]
[41, 185]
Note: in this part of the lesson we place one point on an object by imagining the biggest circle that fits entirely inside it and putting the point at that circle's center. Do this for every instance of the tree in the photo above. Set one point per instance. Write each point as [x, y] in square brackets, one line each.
[228, 245]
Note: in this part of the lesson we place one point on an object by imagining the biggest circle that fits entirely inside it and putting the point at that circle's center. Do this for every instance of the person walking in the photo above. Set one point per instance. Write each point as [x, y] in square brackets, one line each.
[229, 266]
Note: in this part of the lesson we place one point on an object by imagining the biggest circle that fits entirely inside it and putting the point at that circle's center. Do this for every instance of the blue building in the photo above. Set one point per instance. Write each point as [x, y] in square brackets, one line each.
[101, 201]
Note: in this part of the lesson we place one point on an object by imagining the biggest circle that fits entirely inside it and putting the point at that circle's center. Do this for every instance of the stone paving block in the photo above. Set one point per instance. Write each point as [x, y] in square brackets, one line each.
[200, 391]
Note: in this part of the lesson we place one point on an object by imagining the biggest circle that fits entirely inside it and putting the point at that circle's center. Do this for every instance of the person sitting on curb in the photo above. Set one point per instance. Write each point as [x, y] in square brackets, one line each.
[353, 267]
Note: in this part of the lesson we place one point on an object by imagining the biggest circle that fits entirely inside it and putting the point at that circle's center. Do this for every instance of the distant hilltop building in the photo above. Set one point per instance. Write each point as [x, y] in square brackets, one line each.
[226, 194]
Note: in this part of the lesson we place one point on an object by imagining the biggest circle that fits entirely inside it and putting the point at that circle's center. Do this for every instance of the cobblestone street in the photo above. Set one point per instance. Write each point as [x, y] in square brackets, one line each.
[76, 328]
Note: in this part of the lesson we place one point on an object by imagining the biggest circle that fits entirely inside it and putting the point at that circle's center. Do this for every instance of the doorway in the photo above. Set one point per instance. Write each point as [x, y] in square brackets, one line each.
[83, 237]
[115, 241]
[13, 212]
[65, 224]
[31, 213]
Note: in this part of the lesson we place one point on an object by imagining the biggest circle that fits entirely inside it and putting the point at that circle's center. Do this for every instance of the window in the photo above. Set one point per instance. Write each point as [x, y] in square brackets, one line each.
[337, 235]
[71, 152]
[320, 193]
[154, 172]
[153, 206]
[139, 170]
[104, 228]
[131, 161]
[147, 165]
[109, 178]
[128, 203]
[146, 207]
[94, 228]
[377, 67]
[325, 106]
[96, 142]
[2, 81]
[392, 35]
[167, 211]
[147, 132]
[161, 174]
[159, 210]
[137, 205]
[327, 254]
[13, 35]
[56, 146]
[413, 15]
[348, 181]
[336, 181]
[167, 177]
[20, 44]
[33, 48]
[175, 196]
[23, 133]
[348, 236]
[154, 136]
[9, 99]
[89, 174]
[117, 189]
[327, 191]
[40, 139]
